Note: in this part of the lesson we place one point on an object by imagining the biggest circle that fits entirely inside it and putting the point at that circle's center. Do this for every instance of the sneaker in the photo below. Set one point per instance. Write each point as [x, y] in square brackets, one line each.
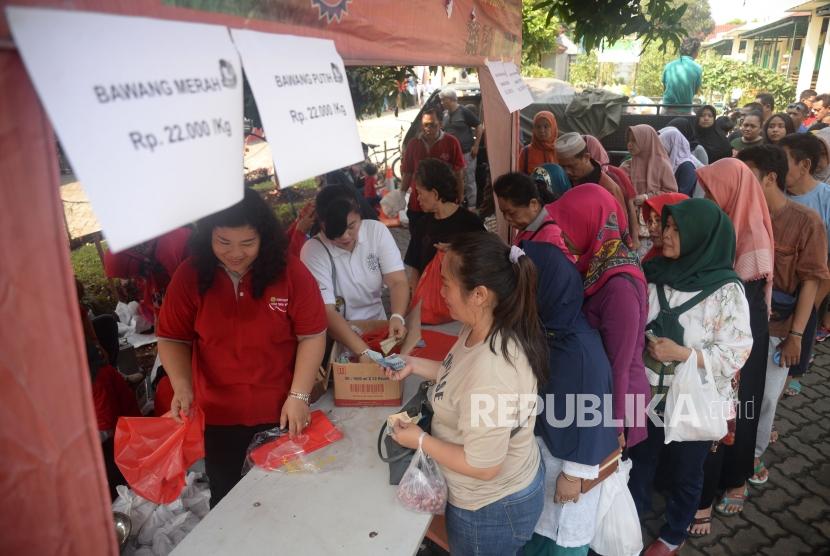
[822, 334]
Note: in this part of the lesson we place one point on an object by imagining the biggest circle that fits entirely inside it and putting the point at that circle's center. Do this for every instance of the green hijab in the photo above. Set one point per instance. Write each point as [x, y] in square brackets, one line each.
[707, 255]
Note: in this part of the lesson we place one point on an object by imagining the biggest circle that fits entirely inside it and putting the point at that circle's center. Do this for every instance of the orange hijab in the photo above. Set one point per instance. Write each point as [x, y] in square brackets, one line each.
[736, 190]
[651, 170]
[541, 152]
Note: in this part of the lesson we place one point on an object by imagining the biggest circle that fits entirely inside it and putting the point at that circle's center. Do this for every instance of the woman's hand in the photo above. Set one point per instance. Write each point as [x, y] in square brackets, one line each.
[790, 350]
[402, 374]
[567, 489]
[182, 401]
[406, 434]
[295, 416]
[397, 328]
[667, 351]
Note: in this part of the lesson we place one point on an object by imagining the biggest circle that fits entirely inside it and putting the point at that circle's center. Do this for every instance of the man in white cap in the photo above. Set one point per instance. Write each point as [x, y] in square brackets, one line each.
[575, 159]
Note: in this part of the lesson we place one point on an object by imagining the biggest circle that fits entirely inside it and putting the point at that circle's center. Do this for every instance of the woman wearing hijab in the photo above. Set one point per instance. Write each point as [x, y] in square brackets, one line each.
[522, 202]
[553, 178]
[697, 313]
[684, 164]
[710, 136]
[542, 147]
[652, 209]
[600, 155]
[684, 126]
[731, 184]
[615, 292]
[598, 152]
[650, 170]
[577, 366]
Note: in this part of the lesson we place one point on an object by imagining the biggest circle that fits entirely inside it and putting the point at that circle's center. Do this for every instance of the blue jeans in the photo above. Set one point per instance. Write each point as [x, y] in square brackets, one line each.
[500, 528]
[686, 480]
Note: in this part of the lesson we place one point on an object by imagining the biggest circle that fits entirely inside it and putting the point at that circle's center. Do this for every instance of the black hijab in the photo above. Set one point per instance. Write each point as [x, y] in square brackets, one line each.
[712, 139]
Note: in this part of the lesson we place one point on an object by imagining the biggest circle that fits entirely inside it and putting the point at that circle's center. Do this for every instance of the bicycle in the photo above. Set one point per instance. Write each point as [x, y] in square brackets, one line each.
[387, 157]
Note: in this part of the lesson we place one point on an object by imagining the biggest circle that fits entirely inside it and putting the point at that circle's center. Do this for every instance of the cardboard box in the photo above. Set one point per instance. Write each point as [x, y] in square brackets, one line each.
[365, 384]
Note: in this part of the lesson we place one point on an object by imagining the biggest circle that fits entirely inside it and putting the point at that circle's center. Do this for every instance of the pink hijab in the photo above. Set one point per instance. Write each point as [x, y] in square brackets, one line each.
[588, 217]
[736, 190]
[651, 169]
[597, 151]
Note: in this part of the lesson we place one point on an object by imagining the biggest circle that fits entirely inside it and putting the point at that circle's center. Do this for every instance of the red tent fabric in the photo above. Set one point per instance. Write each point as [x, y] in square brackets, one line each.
[53, 481]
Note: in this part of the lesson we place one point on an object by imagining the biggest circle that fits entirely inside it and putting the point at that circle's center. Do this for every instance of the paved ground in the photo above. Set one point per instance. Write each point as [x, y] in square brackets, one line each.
[790, 514]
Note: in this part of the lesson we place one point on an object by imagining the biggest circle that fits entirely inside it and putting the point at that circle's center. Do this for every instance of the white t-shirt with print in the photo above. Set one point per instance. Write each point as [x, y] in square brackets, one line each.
[359, 272]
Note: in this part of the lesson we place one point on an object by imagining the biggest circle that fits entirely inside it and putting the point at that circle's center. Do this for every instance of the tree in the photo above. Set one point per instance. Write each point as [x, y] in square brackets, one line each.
[538, 34]
[606, 21]
[370, 85]
[721, 76]
[697, 19]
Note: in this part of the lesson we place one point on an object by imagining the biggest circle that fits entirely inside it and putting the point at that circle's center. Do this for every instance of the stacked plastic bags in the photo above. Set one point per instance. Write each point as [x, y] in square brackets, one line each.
[157, 529]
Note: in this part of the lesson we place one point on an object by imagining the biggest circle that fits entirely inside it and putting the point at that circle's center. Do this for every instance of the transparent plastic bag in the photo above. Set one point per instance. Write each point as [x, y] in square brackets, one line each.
[275, 450]
[423, 487]
[618, 525]
[133, 506]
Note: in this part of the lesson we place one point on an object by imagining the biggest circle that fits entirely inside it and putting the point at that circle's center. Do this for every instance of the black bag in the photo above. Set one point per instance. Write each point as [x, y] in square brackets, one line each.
[783, 305]
[397, 456]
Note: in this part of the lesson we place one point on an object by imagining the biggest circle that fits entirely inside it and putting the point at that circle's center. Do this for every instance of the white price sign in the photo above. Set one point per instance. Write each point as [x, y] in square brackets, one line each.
[148, 111]
[303, 98]
[513, 89]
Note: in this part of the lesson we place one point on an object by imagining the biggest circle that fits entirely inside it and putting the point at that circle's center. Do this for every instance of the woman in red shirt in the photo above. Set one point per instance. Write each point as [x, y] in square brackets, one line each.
[241, 334]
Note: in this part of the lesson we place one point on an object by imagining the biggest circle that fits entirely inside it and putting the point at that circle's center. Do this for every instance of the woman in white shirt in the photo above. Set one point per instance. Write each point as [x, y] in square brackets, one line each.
[352, 259]
[483, 400]
[697, 313]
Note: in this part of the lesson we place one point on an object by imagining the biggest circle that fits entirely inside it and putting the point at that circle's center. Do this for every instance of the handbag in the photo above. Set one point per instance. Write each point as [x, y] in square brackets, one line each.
[397, 456]
[783, 305]
[607, 468]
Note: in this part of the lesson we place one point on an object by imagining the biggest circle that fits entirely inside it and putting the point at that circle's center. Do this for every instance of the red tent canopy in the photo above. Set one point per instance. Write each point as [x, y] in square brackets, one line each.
[55, 499]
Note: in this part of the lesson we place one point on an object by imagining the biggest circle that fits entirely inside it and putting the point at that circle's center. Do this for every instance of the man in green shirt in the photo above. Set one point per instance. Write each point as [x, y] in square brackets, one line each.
[682, 77]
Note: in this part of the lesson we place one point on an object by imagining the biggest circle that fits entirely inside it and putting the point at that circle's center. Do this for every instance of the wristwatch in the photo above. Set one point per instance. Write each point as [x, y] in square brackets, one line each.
[300, 396]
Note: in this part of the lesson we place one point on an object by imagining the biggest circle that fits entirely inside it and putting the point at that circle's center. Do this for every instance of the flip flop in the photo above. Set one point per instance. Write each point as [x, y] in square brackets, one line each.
[756, 479]
[736, 500]
[793, 388]
[700, 521]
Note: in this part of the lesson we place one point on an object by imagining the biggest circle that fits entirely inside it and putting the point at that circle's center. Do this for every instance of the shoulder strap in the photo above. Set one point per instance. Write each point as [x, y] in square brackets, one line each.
[539, 229]
[333, 273]
[683, 307]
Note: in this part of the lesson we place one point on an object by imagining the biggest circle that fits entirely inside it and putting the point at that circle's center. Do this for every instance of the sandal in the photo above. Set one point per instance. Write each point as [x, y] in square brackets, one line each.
[761, 475]
[700, 521]
[793, 388]
[737, 500]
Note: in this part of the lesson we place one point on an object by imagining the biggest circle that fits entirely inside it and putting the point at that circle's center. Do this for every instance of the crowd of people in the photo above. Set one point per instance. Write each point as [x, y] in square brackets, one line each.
[699, 251]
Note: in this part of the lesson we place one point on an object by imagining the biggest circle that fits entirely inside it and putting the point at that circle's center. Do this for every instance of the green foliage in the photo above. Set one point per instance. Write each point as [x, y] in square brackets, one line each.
[88, 269]
[650, 70]
[369, 85]
[697, 20]
[607, 21]
[538, 34]
[721, 75]
[535, 70]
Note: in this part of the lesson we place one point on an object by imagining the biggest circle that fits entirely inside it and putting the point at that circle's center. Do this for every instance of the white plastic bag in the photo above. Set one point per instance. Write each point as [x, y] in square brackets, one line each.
[618, 526]
[392, 203]
[423, 487]
[133, 506]
[695, 410]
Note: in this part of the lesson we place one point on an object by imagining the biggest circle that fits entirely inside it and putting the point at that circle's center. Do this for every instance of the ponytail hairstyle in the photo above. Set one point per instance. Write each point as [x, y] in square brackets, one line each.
[251, 211]
[520, 189]
[482, 259]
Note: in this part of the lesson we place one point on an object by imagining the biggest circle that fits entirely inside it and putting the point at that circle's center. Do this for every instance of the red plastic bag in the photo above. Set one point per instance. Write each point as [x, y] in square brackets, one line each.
[270, 454]
[434, 309]
[154, 453]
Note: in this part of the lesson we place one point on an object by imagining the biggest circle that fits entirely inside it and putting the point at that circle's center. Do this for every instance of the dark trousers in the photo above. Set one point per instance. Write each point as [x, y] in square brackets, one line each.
[731, 466]
[685, 481]
[225, 450]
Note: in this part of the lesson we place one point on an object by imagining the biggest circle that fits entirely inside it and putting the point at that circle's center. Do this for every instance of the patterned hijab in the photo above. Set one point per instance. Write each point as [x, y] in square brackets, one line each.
[651, 169]
[553, 178]
[588, 217]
